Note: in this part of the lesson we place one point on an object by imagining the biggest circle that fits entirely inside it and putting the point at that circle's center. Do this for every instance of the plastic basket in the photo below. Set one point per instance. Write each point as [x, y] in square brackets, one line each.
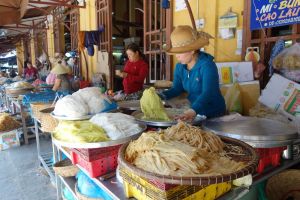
[269, 156]
[97, 153]
[140, 188]
[65, 168]
[95, 168]
[83, 197]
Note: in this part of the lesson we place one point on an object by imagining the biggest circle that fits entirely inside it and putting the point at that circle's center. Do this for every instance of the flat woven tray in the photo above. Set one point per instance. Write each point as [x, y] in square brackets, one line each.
[250, 158]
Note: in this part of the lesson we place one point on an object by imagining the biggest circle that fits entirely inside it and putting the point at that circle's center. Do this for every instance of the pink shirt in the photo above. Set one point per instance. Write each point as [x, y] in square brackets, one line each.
[50, 80]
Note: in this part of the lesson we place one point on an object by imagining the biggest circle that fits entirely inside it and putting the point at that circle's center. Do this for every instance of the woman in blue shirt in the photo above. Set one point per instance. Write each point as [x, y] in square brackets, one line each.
[196, 73]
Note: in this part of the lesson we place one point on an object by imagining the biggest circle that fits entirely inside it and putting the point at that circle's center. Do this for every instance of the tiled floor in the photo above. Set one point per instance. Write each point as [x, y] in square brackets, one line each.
[21, 177]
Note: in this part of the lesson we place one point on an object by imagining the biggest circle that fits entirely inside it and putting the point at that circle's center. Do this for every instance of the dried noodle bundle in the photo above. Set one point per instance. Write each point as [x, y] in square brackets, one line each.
[195, 137]
[161, 154]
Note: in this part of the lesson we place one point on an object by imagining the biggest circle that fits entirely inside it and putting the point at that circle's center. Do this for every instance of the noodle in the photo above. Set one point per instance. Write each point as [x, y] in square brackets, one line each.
[183, 150]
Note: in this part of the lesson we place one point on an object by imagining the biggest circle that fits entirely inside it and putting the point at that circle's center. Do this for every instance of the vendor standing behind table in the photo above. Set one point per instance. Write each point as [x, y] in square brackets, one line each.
[62, 82]
[135, 70]
[196, 73]
[30, 72]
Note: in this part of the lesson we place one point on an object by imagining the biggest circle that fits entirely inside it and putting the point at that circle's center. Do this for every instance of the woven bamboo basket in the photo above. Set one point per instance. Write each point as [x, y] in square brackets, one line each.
[285, 185]
[249, 157]
[65, 168]
[48, 123]
[83, 197]
[36, 107]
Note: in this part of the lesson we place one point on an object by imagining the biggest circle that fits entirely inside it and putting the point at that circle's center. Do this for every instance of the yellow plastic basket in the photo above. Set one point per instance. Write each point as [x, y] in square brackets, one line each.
[139, 188]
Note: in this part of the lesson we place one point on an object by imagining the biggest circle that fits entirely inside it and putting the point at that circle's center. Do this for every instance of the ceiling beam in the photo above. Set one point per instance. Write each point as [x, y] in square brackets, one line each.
[58, 3]
[38, 8]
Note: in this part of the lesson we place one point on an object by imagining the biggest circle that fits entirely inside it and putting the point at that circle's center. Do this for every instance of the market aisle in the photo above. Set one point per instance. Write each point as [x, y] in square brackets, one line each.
[21, 177]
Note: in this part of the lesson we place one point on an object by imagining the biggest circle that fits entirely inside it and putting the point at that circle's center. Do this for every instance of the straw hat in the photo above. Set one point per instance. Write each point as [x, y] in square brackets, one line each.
[184, 39]
[60, 69]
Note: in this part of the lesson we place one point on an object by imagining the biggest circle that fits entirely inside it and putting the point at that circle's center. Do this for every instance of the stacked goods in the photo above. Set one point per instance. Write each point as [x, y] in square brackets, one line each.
[79, 132]
[83, 102]
[261, 111]
[152, 106]
[288, 62]
[8, 123]
[21, 85]
[182, 150]
[116, 125]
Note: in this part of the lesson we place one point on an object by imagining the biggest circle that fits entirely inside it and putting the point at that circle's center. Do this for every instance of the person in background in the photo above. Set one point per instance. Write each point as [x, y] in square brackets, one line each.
[135, 70]
[12, 73]
[30, 72]
[62, 83]
[3, 74]
[196, 74]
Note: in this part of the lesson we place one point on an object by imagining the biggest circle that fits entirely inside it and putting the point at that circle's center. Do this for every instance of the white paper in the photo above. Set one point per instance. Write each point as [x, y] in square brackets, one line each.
[241, 71]
[226, 33]
[239, 38]
[180, 5]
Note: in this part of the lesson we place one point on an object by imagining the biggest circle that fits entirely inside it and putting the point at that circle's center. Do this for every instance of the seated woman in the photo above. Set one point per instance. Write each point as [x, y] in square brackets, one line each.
[30, 72]
[135, 70]
[62, 83]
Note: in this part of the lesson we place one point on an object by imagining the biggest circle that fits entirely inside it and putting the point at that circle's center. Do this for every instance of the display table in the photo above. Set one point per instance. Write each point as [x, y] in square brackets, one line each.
[115, 189]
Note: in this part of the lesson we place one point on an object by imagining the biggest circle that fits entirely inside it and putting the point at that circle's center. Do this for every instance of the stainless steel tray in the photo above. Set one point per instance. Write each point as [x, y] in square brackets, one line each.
[100, 144]
[129, 105]
[138, 115]
[62, 117]
[253, 129]
[85, 117]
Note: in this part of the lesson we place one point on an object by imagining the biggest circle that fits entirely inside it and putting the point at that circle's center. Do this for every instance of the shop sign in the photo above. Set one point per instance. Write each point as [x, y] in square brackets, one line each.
[272, 13]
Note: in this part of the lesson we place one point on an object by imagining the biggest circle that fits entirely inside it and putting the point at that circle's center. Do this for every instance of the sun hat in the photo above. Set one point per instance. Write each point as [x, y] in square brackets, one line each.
[184, 38]
[60, 69]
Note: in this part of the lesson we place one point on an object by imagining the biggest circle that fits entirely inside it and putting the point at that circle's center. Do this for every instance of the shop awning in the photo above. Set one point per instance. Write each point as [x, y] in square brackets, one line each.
[12, 11]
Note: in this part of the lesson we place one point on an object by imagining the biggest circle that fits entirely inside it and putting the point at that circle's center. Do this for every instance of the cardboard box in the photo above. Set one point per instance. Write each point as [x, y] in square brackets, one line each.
[283, 96]
[9, 139]
[229, 72]
[250, 92]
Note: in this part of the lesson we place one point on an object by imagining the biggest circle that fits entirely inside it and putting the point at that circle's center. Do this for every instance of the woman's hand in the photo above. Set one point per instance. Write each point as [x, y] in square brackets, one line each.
[189, 115]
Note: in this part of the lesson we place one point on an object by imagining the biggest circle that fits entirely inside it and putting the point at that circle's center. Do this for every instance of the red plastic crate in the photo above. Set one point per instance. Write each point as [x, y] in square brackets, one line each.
[97, 153]
[269, 156]
[97, 167]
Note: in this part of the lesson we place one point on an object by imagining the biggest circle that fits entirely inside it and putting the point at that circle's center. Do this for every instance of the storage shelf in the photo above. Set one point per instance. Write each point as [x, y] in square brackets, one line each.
[46, 161]
[111, 186]
[70, 183]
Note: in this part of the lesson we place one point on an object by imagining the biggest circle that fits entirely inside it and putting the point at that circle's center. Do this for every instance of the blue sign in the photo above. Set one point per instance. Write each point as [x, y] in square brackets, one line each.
[271, 13]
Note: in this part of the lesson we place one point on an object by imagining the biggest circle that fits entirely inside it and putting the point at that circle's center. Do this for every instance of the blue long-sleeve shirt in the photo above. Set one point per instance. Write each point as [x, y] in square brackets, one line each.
[202, 85]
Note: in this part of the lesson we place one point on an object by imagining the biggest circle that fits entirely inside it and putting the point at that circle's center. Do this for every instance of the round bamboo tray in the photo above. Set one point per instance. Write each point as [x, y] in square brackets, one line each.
[65, 168]
[285, 185]
[250, 159]
[83, 197]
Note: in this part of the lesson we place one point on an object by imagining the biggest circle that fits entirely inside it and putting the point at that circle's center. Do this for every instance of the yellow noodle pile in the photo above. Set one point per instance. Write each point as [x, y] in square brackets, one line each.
[195, 137]
[170, 153]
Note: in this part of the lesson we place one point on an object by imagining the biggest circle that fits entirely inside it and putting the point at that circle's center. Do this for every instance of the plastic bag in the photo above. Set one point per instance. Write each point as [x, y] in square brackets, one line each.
[288, 59]
[87, 187]
[233, 99]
